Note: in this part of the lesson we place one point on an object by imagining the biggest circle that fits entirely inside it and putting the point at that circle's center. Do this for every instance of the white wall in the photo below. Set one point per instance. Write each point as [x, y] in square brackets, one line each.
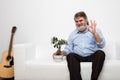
[38, 20]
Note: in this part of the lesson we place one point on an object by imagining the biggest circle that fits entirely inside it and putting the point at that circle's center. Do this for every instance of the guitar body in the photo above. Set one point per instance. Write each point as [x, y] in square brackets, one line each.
[7, 66]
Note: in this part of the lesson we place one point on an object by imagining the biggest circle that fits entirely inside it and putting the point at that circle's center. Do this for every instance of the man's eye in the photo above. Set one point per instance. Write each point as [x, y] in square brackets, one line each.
[81, 20]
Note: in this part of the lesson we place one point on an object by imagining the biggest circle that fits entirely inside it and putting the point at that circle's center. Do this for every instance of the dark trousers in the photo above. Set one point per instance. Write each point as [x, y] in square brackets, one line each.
[73, 61]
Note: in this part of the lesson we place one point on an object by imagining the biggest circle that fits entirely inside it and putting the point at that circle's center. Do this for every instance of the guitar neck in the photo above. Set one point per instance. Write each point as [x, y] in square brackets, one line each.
[10, 45]
[11, 40]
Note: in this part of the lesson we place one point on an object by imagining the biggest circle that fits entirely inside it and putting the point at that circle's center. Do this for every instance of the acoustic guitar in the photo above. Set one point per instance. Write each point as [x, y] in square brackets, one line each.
[7, 63]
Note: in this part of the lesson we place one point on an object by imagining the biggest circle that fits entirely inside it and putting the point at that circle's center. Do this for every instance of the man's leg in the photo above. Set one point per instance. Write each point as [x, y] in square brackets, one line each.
[74, 66]
[97, 64]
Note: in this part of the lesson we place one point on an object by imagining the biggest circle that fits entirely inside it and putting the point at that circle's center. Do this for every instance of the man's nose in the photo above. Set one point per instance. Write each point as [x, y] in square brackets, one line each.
[79, 22]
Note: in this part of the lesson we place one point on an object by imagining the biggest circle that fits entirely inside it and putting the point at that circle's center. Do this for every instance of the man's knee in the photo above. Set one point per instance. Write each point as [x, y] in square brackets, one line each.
[71, 55]
[100, 54]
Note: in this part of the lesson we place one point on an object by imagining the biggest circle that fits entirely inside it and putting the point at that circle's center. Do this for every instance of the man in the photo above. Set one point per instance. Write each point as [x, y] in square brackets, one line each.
[83, 46]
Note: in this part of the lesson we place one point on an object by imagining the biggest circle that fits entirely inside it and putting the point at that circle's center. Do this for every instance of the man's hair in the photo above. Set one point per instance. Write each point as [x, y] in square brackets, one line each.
[81, 14]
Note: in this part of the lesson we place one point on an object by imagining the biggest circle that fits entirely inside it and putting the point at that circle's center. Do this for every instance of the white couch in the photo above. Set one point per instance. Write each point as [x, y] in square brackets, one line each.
[28, 66]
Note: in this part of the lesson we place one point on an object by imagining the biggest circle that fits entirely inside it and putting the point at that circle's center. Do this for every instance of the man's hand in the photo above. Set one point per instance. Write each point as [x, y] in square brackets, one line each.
[92, 27]
[63, 53]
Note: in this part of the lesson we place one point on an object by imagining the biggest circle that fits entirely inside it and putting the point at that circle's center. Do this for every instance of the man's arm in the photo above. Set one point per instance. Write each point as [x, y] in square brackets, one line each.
[97, 37]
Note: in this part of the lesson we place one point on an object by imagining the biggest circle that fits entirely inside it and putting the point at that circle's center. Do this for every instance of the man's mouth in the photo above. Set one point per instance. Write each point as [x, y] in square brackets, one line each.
[80, 25]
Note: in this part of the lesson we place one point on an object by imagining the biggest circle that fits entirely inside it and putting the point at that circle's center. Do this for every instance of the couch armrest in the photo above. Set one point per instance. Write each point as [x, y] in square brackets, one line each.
[20, 52]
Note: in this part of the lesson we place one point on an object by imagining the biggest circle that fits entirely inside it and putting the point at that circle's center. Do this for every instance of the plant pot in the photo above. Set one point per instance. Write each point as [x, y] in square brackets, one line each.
[58, 58]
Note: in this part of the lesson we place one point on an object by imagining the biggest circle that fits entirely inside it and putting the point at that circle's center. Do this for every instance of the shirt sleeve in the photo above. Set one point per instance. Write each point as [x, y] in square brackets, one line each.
[102, 43]
[69, 47]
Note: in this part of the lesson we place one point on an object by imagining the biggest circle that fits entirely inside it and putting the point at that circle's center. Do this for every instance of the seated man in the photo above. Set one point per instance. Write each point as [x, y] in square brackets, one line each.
[83, 46]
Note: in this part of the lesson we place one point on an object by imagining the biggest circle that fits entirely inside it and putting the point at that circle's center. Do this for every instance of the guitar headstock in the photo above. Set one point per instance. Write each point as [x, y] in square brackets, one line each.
[14, 29]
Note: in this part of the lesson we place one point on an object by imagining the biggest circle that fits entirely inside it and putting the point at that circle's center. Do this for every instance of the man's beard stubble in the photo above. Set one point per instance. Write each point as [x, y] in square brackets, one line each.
[81, 28]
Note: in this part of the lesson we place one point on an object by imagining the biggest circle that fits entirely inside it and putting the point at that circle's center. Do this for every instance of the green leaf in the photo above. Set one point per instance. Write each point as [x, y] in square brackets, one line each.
[58, 42]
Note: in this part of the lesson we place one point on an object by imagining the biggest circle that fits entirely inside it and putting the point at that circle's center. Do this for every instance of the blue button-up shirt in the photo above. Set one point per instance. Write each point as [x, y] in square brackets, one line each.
[83, 43]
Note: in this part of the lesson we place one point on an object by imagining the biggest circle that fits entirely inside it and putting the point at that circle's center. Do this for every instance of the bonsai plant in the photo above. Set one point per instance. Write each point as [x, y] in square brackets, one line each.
[57, 43]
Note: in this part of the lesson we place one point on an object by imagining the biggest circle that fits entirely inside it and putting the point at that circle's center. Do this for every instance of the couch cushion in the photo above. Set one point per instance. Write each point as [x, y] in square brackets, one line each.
[52, 70]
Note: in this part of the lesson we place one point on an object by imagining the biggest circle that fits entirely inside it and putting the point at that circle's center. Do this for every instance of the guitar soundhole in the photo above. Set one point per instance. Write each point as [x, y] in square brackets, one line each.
[8, 58]
[11, 63]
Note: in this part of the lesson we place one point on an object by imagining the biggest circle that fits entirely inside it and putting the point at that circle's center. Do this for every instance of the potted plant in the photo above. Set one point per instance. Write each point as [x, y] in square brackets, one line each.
[57, 43]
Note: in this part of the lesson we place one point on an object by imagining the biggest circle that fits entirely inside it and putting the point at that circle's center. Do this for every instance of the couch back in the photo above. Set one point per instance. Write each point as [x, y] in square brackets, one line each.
[32, 51]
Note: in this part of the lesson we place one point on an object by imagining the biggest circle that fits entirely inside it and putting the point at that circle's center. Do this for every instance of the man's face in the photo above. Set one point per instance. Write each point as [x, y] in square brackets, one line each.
[80, 21]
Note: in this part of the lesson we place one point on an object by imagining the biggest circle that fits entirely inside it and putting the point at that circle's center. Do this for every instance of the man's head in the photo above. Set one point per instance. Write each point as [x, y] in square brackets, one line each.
[81, 20]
